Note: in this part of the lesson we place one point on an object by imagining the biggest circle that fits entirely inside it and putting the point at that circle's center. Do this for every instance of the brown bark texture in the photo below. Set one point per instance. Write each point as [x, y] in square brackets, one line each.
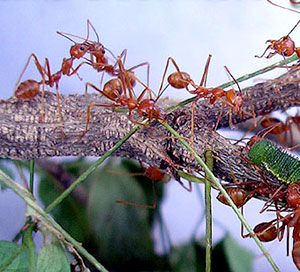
[24, 136]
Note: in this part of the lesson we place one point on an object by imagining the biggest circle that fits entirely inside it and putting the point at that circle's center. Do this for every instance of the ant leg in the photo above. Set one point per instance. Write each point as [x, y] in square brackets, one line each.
[89, 24]
[205, 73]
[74, 70]
[89, 114]
[202, 84]
[59, 111]
[87, 84]
[37, 64]
[153, 206]
[161, 89]
[252, 109]
[48, 71]
[148, 71]
[124, 79]
[268, 47]
[219, 117]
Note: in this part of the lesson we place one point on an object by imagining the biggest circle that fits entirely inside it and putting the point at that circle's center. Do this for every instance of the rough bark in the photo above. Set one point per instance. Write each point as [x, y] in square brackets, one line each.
[24, 136]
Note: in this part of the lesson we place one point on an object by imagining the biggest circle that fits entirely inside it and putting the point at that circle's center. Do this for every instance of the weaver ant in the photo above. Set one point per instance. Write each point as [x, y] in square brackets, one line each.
[269, 231]
[30, 88]
[116, 91]
[113, 87]
[79, 50]
[275, 127]
[155, 175]
[181, 80]
[285, 46]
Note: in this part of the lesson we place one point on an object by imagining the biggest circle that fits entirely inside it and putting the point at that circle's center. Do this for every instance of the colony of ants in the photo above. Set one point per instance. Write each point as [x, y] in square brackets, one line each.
[119, 91]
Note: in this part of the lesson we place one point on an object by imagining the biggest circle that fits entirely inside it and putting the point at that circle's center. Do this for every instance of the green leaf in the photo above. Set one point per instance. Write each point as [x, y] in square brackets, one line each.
[13, 258]
[184, 258]
[70, 214]
[52, 258]
[239, 258]
[121, 231]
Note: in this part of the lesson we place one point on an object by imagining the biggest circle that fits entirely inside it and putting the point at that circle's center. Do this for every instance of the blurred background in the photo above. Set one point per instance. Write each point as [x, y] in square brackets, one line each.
[232, 31]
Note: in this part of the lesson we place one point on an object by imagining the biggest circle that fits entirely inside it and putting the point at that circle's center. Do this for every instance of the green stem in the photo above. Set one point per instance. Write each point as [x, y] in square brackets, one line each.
[209, 162]
[240, 79]
[227, 197]
[28, 242]
[31, 178]
[68, 191]
[42, 215]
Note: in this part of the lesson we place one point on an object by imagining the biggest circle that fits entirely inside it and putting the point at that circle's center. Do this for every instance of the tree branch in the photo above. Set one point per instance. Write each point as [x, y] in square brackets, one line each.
[24, 136]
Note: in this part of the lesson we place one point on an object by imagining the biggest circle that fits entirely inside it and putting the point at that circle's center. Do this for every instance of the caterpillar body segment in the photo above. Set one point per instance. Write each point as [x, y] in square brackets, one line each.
[280, 163]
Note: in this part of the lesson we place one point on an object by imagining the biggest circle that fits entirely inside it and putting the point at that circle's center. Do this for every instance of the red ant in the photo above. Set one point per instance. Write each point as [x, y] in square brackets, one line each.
[155, 175]
[276, 126]
[238, 195]
[30, 88]
[285, 46]
[266, 231]
[116, 91]
[130, 78]
[181, 80]
[97, 59]
[79, 50]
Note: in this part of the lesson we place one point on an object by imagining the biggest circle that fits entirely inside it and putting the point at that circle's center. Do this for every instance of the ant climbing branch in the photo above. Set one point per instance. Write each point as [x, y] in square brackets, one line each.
[23, 136]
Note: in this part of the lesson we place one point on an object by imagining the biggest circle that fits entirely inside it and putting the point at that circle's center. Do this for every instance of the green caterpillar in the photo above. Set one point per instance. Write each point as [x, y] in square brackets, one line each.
[281, 164]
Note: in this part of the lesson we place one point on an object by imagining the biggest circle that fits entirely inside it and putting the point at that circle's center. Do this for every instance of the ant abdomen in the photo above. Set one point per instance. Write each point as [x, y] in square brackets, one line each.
[27, 89]
[179, 80]
[113, 88]
[266, 232]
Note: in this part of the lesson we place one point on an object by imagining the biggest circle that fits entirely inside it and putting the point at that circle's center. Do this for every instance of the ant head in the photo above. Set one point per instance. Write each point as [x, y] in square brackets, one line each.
[78, 50]
[286, 46]
[149, 109]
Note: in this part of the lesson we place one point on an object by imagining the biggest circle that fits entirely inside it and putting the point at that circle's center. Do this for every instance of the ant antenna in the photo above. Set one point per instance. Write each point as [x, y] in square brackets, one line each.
[234, 80]
[65, 35]
[111, 53]
[88, 31]
[282, 7]
[293, 27]
[161, 92]
[289, 10]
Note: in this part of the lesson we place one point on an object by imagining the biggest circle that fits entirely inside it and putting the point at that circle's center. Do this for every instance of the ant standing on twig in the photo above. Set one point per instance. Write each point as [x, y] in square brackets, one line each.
[121, 93]
[30, 88]
[181, 80]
